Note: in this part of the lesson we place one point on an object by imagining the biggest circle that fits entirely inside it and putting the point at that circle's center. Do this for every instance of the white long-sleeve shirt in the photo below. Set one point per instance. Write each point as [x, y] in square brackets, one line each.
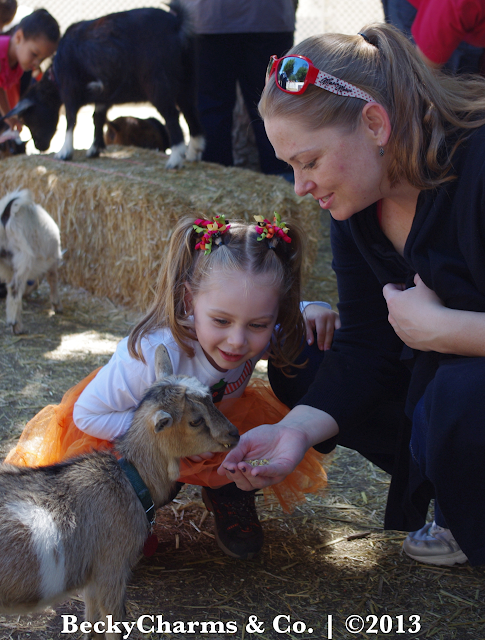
[105, 407]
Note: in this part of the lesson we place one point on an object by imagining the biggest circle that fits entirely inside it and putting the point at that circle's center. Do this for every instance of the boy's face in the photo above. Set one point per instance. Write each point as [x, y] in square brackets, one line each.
[30, 52]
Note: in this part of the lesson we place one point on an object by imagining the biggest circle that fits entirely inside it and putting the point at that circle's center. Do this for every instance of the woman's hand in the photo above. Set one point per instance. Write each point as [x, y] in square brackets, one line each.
[414, 314]
[322, 320]
[421, 320]
[283, 445]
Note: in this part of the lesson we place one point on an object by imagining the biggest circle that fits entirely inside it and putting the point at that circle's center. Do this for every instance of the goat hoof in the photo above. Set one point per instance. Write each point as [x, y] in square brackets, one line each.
[195, 149]
[58, 307]
[92, 152]
[175, 164]
[63, 156]
[17, 329]
[196, 156]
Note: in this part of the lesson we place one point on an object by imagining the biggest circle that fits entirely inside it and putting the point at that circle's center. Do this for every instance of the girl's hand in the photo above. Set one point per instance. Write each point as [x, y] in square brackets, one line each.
[284, 447]
[203, 456]
[322, 320]
[415, 314]
[14, 123]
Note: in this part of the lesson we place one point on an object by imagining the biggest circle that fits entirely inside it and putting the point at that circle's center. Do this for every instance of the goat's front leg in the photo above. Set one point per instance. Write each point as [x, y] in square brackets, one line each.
[113, 612]
[6, 271]
[187, 101]
[99, 117]
[52, 279]
[170, 114]
[68, 147]
[15, 291]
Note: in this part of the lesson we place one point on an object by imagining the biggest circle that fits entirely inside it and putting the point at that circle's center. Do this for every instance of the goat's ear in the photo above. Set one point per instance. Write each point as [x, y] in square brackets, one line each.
[20, 107]
[161, 420]
[163, 365]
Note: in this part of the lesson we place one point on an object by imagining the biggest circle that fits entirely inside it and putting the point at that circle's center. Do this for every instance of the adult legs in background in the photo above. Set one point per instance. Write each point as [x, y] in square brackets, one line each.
[256, 52]
[217, 94]
[225, 59]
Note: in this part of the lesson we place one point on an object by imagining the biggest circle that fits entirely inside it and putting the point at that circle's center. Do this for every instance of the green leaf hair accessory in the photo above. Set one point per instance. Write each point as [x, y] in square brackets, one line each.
[211, 230]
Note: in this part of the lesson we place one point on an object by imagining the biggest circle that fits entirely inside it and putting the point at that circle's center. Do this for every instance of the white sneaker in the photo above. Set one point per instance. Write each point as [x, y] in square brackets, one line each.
[433, 545]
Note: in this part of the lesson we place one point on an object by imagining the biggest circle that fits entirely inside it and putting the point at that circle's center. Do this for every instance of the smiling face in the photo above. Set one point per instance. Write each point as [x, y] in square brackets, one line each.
[30, 52]
[234, 317]
[340, 169]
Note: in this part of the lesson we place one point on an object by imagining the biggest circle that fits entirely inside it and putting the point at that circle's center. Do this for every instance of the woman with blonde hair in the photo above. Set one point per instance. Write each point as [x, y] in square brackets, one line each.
[396, 153]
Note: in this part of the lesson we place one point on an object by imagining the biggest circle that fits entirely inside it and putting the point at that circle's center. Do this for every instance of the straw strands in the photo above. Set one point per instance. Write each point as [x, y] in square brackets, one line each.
[116, 213]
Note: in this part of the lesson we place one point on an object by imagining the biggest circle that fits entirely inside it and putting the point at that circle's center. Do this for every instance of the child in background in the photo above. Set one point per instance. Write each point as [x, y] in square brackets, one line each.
[227, 296]
[35, 39]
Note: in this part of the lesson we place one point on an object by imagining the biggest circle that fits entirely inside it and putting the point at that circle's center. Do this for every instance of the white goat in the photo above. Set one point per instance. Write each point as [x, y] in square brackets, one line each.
[81, 524]
[30, 248]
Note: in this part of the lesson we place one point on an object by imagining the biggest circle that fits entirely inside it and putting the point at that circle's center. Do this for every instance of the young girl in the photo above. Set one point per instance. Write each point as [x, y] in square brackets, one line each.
[34, 40]
[227, 296]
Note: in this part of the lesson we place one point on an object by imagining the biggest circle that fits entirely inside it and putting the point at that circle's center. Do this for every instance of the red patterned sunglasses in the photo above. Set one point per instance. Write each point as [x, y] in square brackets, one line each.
[293, 74]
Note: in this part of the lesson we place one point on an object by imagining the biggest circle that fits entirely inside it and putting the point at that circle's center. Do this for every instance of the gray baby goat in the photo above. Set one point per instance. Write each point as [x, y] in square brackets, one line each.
[80, 524]
[30, 248]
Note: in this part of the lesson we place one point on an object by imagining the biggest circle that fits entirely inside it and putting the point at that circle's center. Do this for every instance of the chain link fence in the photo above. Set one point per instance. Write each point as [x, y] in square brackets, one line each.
[313, 16]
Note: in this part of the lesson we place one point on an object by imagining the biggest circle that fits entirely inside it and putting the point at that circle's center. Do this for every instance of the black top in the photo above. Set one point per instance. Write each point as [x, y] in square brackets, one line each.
[446, 247]
[368, 363]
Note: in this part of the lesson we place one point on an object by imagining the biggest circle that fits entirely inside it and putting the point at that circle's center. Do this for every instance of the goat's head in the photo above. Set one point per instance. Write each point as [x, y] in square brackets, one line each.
[182, 408]
[39, 111]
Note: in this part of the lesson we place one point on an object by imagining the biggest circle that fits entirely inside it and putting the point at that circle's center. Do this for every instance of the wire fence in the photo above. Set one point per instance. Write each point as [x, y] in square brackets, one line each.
[313, 16]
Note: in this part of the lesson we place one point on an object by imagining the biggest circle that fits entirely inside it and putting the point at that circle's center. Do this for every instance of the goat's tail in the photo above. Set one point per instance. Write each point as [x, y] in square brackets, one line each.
[185, 22]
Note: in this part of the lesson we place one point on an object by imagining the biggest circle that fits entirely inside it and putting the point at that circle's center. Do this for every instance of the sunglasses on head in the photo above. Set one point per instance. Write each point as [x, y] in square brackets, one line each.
[293, 74]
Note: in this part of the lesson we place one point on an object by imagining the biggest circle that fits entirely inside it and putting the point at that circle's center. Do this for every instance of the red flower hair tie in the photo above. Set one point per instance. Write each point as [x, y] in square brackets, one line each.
[212, 231]
[272, 231]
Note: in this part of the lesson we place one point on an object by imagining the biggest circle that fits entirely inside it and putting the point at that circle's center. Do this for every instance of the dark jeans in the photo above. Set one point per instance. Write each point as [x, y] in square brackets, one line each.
[401, 14]
[419, 436]
[225, 59]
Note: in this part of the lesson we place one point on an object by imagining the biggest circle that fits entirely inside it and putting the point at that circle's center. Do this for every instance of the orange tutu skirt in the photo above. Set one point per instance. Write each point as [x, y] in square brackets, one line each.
[51, 436]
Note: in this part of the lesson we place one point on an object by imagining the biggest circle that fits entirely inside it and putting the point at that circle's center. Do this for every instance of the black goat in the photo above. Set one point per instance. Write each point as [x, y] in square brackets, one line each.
[142, 55]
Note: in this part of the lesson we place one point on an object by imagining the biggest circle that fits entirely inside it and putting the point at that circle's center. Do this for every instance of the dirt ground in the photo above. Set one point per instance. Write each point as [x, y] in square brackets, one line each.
[326, 562]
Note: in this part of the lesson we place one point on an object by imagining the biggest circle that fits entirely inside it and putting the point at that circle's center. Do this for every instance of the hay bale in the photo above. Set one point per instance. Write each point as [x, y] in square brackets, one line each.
[116, 213]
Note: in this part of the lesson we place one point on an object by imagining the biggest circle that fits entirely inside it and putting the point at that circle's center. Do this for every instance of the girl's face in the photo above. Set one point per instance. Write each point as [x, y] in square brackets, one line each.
[234, 318]
[30, 52]
[342, 171]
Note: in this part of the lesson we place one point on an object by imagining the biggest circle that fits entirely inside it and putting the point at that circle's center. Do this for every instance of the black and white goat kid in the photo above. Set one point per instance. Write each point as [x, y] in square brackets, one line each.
[142, 55]
[82, 524]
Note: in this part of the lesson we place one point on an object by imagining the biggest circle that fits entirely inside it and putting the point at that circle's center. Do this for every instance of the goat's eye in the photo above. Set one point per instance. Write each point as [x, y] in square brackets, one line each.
[197, 423]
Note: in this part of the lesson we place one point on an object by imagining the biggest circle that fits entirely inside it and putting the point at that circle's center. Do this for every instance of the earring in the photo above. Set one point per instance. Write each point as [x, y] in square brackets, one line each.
[381, 151]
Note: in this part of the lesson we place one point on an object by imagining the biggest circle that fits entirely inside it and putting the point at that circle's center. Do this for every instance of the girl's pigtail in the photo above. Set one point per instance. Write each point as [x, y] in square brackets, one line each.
[168, 308]
[288, 337]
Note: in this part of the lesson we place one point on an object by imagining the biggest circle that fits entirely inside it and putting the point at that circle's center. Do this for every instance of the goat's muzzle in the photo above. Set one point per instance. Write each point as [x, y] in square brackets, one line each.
[231, 440]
